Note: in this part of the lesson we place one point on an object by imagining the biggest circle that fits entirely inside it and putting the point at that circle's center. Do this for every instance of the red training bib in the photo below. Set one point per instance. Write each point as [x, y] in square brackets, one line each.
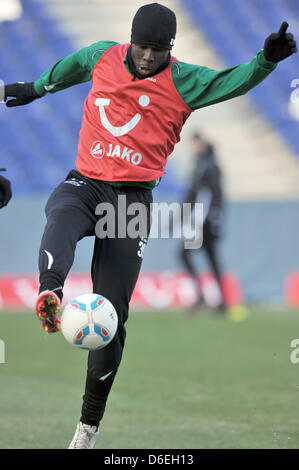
[129, 127]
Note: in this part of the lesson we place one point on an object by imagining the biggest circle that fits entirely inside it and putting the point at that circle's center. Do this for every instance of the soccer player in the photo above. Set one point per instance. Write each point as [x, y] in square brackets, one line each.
[5, 190]
[206, 188]
[139, 100]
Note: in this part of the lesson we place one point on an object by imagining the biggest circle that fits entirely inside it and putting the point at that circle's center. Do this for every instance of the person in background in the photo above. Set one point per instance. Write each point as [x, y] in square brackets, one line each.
[206, 188]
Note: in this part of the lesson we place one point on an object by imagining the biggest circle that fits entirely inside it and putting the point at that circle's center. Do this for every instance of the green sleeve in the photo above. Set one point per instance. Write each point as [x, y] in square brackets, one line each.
[201, 86]
[73, 69]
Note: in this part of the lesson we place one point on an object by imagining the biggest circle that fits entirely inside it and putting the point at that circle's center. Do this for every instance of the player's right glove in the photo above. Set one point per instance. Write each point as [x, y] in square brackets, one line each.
[23, 93]
[5, 190]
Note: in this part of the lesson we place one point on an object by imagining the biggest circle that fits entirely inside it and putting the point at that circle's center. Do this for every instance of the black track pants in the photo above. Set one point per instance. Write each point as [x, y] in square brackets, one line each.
[71, 216]
[209, 245]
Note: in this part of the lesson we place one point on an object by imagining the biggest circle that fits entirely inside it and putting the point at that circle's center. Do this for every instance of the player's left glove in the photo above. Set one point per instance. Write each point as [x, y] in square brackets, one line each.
[5, 190]
[23, 93]
[279, 46]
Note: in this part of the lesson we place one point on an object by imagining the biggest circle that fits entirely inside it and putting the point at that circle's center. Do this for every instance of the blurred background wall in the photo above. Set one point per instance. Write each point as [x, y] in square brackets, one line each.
[255, 136]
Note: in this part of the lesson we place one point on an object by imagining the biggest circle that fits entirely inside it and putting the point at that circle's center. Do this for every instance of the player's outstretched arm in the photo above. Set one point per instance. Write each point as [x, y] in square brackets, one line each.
[278, 46]
[200, 86]
[5, 190]
[22, 93]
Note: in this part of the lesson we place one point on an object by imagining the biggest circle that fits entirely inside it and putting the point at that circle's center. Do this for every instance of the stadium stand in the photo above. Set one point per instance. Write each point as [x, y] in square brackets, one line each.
[39, 142]
[248, 24]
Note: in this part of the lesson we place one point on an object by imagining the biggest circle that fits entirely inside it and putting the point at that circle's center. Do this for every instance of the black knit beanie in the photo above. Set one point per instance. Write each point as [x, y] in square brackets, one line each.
[154, 24]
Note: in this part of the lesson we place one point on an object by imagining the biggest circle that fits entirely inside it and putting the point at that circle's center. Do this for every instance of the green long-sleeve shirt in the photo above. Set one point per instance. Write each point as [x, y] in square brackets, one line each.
[198, 86]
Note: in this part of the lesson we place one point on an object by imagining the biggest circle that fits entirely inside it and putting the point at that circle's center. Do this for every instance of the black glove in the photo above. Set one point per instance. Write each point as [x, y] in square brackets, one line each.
[5, 190]
[279, 46]
[24, 93]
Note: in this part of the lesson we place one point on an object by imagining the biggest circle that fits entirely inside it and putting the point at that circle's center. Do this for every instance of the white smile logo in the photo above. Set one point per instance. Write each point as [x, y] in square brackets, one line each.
[98, 149]
[121, 130]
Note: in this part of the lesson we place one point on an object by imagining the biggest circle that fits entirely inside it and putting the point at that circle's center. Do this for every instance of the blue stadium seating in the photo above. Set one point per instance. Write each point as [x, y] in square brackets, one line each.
[38, 141]
[237, 30]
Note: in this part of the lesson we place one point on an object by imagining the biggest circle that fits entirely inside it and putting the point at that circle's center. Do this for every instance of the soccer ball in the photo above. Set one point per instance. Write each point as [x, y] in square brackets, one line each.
[89, 321]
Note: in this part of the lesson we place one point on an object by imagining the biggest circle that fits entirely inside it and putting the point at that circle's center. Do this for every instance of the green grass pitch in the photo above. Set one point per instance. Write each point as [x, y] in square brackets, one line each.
[200, 382]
